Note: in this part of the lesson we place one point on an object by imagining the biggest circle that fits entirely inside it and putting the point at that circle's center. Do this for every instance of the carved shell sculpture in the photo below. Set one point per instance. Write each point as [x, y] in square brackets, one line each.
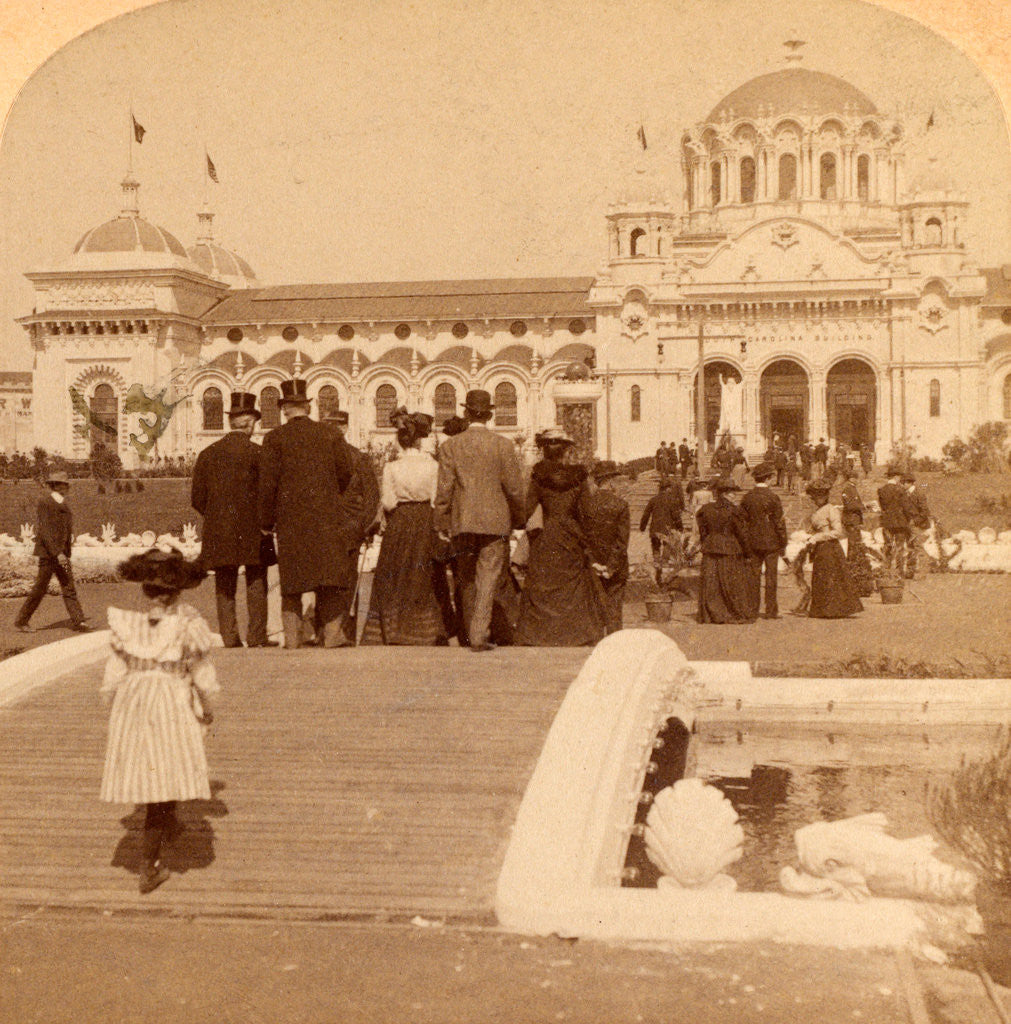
[692, 833]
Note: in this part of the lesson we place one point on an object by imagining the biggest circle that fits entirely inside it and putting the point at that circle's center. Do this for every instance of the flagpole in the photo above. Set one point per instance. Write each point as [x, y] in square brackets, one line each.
[129, 141]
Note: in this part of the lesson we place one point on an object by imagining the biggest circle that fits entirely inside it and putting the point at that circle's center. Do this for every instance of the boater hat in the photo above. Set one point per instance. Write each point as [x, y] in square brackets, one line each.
[293, 391]
[57, 477]
[763, 471]
[553, 435]
[243, 404]
[478, 401]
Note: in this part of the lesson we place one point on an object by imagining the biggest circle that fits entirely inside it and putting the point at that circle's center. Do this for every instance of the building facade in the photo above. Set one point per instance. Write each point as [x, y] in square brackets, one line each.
[833, 299]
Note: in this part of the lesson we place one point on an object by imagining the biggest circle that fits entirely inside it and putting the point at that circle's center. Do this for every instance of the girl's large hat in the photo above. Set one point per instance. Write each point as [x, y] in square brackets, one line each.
[166, 568]
[553, 435]
[723, 484]
[817, 487]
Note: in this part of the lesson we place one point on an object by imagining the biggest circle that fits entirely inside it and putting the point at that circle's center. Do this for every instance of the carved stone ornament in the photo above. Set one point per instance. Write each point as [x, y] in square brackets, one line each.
[634, 320]
[116, 294]
[933, 314]
[784, 234]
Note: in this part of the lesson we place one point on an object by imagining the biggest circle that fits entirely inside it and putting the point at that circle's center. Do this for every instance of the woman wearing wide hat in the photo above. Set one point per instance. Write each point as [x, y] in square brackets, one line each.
[160, 682]
[725, 591]
[833, 594]
[562, 604]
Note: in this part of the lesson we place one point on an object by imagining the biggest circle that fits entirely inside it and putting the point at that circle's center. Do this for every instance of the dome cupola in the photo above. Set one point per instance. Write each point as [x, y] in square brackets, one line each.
[217, 261]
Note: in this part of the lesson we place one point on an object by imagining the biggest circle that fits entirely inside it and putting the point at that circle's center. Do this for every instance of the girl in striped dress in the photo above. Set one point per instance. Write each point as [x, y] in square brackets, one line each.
[160, 682]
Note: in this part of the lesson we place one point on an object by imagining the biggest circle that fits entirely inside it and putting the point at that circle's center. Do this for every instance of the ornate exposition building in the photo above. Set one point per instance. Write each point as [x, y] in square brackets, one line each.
[842, 299]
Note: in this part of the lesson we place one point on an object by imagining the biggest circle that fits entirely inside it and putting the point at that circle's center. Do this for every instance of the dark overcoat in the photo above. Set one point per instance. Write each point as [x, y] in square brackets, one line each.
[303, 474]
[225, 488]
[53, 527]
[764, 514]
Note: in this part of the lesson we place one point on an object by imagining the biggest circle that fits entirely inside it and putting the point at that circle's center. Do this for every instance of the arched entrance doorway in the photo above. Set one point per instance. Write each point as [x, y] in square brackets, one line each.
[104, 417]
[713, 394]
[851, 397]
[784, 400]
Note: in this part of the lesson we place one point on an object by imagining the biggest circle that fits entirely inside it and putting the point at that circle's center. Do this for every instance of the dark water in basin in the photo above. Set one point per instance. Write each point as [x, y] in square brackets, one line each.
[781, 776]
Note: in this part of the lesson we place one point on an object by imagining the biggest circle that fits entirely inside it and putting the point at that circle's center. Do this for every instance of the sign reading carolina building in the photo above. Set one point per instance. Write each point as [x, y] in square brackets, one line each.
[833, 298]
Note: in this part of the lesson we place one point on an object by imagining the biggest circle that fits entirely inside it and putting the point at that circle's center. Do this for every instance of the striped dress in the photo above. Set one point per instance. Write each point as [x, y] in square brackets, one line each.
[155, 750]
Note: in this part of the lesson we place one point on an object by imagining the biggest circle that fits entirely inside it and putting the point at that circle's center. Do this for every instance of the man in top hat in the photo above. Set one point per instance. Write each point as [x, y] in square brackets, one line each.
[479, 500]
[763, 512]
[358, 513]
[605, 517]
[54, 526]
[893, 500]
[684, 456]
[303, 475]
[919, 520]
[225, 489]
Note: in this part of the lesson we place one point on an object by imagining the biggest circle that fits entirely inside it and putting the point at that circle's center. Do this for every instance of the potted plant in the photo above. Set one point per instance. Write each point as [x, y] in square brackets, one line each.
[659, 604]
[890, 586]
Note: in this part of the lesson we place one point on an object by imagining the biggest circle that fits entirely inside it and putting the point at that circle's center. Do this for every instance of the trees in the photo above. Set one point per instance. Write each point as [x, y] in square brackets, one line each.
[105, 464]
[986, 450]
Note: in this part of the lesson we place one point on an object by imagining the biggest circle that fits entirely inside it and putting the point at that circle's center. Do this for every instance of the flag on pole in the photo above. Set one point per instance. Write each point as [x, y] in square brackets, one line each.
[641, 134]
[930, 120]
[138, 129]
[211, 170]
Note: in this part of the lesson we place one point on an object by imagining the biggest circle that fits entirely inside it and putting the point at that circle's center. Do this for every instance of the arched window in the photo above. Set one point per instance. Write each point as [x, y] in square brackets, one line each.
[747, 180]
[932, 235]
[715, 189]
[328, 402]
[386, 402]
[270, 411]
[1007, 397]
[827, 186]
[636, 245]
[505, 405]
[214, 409]
[635, 403]
[104, 414]
[935, 397]
[445, 403]
[863, 177]
[787, 176]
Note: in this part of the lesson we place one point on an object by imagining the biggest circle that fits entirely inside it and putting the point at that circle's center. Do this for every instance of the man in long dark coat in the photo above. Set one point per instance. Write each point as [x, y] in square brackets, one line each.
[767, 538]
[893, 500]
[303, 475]
[225, 491]
[662, 515]
[358, 512]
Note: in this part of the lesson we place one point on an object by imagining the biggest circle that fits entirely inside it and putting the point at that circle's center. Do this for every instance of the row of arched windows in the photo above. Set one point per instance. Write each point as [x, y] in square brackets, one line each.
[386, 400]
[787, 179]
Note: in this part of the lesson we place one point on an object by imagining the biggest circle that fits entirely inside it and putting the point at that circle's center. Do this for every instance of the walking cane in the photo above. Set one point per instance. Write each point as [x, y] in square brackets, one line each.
[353, 607]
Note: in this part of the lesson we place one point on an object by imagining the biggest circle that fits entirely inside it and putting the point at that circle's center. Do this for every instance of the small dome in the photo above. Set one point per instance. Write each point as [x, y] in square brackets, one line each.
[127, 233]
[217, 261]
[793, 90]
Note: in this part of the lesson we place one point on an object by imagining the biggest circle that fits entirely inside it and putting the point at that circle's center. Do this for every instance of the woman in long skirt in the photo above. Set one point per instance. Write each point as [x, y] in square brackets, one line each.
[160, 683]
[833, 594]
[404, 607]
[725, 592]
[562, 604]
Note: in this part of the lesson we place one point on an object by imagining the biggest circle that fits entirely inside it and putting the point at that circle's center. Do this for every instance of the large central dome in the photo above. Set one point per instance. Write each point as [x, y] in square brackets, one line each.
[793, 91]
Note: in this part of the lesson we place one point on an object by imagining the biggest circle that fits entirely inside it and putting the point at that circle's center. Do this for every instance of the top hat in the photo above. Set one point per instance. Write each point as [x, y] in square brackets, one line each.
[605, 470]
[763, 471]
[723, 484]
[164, 568]
[553, 435]
[294, 391]
[57, 477]
[243, 404]
[478, 401]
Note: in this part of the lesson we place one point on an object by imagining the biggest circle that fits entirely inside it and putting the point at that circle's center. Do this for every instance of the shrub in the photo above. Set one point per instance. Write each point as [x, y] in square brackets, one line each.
[971, 811]
[106, 464]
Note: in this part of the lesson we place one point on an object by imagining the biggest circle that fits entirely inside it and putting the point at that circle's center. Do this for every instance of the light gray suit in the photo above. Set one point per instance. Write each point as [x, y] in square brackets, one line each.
[479, 499]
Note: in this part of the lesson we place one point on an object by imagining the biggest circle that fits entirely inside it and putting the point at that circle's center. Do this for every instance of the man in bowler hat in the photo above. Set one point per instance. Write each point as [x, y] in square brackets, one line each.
[303, 475]
[53, 530]
[224, 491]
[767, 535]
[358, 512]
[478, 501]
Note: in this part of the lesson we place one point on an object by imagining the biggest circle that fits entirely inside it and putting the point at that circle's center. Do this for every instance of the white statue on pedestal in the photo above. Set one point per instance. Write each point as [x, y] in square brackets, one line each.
[731, 413]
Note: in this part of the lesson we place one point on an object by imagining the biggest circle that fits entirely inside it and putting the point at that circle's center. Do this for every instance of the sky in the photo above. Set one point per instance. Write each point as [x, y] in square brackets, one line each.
[412, 140]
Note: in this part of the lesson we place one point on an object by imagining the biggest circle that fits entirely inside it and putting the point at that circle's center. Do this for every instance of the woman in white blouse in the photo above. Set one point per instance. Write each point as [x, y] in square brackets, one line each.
[404, 608]
[833, 595]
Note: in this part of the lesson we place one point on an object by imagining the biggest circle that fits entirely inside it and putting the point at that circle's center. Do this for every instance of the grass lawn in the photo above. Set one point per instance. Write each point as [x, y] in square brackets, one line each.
[163, 506]
[955, 499]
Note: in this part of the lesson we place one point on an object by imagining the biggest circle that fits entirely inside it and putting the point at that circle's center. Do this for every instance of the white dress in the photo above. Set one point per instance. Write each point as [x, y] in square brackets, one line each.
[155, 749]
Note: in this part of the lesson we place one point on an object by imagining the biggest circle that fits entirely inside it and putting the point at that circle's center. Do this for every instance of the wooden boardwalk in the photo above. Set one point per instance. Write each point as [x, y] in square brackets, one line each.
[369, 782]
